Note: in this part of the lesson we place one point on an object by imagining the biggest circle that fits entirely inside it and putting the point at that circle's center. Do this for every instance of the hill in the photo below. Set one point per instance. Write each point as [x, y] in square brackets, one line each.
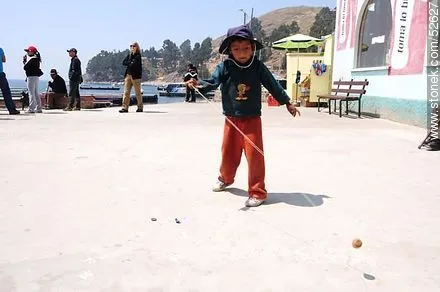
[303, 15]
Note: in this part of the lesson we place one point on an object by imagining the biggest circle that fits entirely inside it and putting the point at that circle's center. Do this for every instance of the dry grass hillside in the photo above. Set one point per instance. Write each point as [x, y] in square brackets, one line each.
[303, 15]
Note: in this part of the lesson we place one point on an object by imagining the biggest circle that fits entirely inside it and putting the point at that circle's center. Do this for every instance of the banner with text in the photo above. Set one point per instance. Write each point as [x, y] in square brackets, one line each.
[408, 37]
[347, 15]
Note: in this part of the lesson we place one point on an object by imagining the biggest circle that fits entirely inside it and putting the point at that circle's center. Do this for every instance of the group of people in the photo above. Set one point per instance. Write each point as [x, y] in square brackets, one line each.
[240, 76]
[31, 66]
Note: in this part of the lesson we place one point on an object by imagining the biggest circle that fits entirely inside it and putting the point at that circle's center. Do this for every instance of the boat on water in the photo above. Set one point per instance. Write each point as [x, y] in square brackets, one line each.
[179, 90]
[99, 87]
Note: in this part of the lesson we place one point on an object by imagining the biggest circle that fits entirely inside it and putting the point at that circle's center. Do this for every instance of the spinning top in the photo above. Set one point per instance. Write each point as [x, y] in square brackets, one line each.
[357, 243]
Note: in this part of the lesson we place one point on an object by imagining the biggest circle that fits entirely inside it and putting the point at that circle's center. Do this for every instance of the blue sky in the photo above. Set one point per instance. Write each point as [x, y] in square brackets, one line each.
[53, 26]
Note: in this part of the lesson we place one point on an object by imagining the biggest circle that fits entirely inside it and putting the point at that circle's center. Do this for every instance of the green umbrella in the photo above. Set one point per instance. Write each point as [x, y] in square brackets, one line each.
[295, 43]
[292, 45]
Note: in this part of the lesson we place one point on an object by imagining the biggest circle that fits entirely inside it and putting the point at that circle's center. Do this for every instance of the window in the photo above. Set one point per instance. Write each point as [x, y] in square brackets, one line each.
[374, 37]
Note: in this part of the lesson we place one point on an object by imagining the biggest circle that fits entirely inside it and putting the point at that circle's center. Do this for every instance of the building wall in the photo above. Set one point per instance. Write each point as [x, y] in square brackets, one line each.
[302, 62]
[396, 91]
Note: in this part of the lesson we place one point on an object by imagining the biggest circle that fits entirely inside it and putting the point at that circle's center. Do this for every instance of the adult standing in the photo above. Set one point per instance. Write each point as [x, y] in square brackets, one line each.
[132, 78]
[4, 86]
[191, 73]
[31, 66]
[56, 98]
[75, 79]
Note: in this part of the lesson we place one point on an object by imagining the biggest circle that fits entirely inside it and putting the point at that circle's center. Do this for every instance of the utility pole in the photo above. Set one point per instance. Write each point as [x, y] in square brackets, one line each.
[244, 15]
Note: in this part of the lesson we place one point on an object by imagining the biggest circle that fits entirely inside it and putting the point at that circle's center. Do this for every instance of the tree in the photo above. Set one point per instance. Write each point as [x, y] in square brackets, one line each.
[205, 54]
[185, 50]
[283, 31]
[260, 35]
[107, 66]
[257, 29]
[196, 58]
[324, 23]
[152, 55]
[171, 55]
[206, 49]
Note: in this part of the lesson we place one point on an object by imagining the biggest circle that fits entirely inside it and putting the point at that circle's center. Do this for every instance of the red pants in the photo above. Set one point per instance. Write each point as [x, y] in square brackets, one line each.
[233, 145]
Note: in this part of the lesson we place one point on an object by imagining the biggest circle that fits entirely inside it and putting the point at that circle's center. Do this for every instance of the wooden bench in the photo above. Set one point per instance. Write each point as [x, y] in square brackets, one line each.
[345, 91]
[89, 101]
[19, 96]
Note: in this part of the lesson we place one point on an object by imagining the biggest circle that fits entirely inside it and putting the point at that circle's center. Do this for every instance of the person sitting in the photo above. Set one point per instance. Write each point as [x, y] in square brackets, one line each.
[56, 99]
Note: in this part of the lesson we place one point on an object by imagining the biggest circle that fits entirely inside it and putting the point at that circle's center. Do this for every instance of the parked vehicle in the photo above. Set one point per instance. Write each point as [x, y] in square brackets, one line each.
[176, 89]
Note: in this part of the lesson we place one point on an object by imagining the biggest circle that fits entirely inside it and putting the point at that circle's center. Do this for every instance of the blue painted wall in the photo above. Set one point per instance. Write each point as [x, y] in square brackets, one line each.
[412, 112]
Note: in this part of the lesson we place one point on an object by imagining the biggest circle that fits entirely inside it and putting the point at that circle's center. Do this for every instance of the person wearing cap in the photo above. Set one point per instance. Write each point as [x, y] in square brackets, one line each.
[56, 98]
[4, 86]
[132, 78]
[31, 66]
[191, 73]
[241, 76]
[75, 79]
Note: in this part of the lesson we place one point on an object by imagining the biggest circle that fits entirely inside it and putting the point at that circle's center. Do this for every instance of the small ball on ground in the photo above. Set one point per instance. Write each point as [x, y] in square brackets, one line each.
[357, 243]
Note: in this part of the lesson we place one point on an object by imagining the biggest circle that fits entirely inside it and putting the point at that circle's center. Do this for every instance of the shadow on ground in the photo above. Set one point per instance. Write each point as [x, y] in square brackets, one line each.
[6, 119]
[92, 110]
[154, 112]
[294, 199]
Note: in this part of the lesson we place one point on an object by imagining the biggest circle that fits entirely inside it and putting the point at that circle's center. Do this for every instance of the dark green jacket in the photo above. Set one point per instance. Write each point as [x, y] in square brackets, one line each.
[241, 88]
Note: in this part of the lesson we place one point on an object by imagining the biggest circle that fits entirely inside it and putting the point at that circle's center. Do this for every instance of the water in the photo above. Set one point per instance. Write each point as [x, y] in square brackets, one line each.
[21, 83]
[42, 87]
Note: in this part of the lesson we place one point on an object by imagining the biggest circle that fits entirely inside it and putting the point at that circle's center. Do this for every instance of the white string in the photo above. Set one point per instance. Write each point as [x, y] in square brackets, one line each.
[238, 65]
[235, 126]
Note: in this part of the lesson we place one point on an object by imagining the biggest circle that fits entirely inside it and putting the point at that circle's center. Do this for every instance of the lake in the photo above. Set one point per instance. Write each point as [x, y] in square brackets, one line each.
[21, 83]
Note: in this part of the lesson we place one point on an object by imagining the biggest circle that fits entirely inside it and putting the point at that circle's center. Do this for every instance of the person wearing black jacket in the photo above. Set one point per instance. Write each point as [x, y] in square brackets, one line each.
[132, 78]
[31, 66]
[55, 99]
[75, 79]
[191, 73]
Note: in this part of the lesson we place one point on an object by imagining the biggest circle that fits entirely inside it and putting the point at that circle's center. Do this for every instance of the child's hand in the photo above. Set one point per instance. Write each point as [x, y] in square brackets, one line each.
[192, 83]
[293, 110]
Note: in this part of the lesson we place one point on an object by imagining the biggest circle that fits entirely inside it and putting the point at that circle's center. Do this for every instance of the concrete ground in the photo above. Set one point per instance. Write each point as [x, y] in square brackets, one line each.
[79, 191]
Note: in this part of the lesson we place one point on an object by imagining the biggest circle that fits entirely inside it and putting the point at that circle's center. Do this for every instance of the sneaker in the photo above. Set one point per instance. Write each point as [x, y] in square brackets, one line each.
[219, 186]
[16, 112]
[39, 111]
[68, 109]
[139, 110]
[30, 112]
[253, 202]
[123, 110]
[77, 109]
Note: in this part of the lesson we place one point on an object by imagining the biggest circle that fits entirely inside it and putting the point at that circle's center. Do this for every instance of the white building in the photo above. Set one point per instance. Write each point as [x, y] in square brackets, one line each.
[385, 41]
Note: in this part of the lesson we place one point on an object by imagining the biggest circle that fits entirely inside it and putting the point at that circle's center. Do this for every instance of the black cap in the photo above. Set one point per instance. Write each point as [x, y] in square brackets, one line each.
[72, 50]
[53, 71]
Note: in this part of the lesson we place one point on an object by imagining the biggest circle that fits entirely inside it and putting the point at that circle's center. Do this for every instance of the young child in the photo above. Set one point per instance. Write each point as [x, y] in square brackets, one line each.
[241, 76]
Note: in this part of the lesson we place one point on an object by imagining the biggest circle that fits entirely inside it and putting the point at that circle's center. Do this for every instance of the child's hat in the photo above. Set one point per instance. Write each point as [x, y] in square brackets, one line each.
[239, 32]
